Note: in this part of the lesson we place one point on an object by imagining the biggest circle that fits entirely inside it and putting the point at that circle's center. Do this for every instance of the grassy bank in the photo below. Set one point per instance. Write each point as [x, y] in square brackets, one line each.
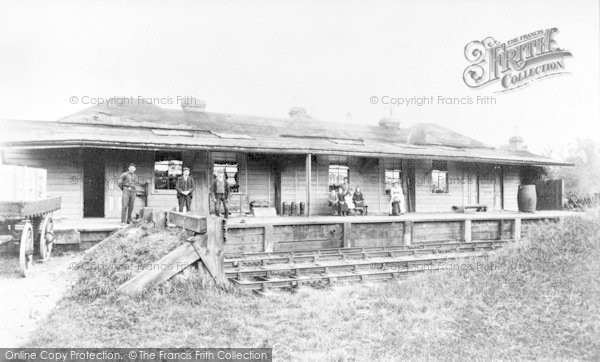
[538, 298]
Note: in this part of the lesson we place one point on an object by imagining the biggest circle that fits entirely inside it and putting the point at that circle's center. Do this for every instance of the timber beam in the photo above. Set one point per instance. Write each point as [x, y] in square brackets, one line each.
[193, 223]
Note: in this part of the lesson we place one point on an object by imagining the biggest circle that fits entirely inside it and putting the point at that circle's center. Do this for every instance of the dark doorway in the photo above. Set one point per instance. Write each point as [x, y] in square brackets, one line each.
[93, 184]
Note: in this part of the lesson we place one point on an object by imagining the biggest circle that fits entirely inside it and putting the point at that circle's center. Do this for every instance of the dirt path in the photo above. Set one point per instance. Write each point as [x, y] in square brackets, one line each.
[25, 302]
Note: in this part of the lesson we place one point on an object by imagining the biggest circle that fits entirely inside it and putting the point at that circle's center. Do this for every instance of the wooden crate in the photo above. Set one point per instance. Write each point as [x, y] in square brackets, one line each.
[22, 183]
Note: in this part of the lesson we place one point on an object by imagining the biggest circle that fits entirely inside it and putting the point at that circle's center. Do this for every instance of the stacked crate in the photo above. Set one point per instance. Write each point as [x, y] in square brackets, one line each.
[22, 183]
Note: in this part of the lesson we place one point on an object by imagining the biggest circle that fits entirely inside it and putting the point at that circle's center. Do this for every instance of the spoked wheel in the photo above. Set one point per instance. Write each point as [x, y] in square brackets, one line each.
[26, 249]
[46, 237]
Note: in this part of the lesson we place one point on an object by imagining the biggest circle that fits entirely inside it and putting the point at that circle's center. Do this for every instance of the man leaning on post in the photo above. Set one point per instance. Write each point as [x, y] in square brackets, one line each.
[220, 193]
[127, 183]
[185, 189]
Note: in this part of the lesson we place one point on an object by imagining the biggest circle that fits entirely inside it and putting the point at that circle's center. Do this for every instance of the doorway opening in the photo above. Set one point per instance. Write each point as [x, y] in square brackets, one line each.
[93, 184]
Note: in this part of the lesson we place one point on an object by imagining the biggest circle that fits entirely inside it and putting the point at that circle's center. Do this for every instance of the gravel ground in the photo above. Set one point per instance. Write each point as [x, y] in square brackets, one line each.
[25, 302]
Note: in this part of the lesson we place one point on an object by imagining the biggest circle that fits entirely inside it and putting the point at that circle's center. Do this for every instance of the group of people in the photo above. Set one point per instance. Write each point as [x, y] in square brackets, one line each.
[346, 201]
[343, 201]
[184, 186]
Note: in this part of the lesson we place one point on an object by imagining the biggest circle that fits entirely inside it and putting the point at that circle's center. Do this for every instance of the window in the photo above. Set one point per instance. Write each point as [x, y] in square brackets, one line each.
[391, 177]
[231, 170]
[232, 135]
[345, 141]
[337, 173]
[172, 132]
[168, 166]
[439, 177]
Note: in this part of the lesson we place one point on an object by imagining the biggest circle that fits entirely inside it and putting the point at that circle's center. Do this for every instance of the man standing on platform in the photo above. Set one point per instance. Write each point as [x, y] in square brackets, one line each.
[185, 189]
[127, 183]
[220, 193]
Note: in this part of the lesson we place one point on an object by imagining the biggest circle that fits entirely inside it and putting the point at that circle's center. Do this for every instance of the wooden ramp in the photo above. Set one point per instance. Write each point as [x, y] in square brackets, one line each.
[205, 247]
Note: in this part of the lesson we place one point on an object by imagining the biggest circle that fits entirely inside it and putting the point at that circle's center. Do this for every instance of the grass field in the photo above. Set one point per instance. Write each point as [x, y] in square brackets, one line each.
[538, 298]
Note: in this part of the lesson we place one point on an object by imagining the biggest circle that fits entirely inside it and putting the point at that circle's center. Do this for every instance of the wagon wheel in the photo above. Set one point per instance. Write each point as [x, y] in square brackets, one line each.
[46, 237]
[26, 249]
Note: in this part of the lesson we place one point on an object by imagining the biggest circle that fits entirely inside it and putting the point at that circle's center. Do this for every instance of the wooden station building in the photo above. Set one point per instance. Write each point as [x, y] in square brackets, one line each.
[294, 159]
[271, 161]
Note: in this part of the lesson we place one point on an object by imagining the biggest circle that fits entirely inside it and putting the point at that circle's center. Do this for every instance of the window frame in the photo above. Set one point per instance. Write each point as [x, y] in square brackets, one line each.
[157, 159]
[339, 166]
[440, 167]
[386, 190]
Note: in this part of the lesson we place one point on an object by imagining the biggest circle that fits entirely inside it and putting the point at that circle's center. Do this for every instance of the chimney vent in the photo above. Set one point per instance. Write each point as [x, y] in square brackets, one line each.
[516, 143]
[389, 122]
[191, 104]
[297, 111]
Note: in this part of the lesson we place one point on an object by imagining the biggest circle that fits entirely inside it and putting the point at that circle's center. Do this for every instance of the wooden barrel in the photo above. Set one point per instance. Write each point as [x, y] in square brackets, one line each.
[527, 198]
[294, 209]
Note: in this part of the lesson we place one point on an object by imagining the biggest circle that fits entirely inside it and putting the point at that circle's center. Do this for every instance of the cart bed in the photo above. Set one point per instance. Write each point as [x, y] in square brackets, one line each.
[26, 209]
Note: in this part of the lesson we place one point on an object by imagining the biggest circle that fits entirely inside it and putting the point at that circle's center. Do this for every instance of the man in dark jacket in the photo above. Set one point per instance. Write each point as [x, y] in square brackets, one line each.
[220, 192]
[127, 183]
[185, 190]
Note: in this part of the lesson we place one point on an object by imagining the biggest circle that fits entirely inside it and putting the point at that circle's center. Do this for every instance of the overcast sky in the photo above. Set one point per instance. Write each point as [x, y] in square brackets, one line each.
[331, 57]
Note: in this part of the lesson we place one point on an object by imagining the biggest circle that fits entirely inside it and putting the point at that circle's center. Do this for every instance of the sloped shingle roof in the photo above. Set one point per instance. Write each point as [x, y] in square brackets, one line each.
[152, 127]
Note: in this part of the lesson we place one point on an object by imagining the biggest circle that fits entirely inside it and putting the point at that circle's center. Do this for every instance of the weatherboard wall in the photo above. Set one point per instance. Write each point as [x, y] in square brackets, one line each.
[64, 175]
[257, 178]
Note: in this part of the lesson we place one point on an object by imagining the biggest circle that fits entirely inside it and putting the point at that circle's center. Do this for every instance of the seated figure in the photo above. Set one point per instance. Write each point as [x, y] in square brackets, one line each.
[348, 202]
[333, 202]
[359, 201]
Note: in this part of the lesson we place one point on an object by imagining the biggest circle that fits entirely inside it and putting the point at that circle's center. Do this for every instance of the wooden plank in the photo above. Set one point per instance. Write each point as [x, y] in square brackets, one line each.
[67, 237]
[308, 182]
[442, 218]
[188, 222]
[467, 232]
[408, 232]
[500, 228]
[268, 238]
[377, 234]
[307, 245]
[264, 211]
[307, 232]
[211, 248]
[242, 239]
[346, 238]
[164, 268]
[254, 230]
[377, 242]
[243, 248]
[517, 229]
[206, 247]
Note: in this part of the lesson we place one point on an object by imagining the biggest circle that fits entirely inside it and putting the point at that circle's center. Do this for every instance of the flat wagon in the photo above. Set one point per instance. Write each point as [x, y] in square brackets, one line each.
[26, 225]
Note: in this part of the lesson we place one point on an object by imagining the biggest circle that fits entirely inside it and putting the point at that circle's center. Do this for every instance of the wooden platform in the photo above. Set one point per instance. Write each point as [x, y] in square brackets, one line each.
[287, 252]
[250, 221]
[75, 231]
[273, 234]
